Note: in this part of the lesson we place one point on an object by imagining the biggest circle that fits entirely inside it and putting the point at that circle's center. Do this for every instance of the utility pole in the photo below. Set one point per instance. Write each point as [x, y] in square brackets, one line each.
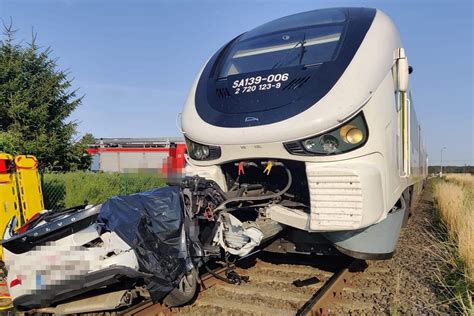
[441, 169]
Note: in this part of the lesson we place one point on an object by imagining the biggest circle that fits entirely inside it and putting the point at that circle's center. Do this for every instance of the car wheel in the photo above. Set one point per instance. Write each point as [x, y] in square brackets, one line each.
[186, 291]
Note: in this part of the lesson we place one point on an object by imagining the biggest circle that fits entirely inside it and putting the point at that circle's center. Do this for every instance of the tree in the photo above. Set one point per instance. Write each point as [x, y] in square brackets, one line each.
[36, 100]
[83, 159]
[7, 142]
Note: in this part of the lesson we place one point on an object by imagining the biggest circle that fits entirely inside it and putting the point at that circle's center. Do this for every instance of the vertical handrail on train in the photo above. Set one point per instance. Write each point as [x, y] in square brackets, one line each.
[405, 133]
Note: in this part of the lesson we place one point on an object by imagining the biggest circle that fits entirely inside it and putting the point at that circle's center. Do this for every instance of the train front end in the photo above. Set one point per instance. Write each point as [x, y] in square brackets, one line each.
[303, 110]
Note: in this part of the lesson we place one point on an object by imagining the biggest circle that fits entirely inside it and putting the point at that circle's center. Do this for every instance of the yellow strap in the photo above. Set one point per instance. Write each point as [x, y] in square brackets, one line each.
[8, 305]
[4, 308]
[268, 169]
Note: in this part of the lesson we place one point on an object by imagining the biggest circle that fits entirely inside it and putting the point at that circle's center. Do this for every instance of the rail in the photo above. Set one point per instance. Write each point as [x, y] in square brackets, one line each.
[319, 303]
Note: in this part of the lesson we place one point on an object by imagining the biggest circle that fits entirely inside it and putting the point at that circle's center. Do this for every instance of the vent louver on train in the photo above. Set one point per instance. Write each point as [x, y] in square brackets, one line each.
[336, 197]
[295, 148]
[222, 93]
[296, 83]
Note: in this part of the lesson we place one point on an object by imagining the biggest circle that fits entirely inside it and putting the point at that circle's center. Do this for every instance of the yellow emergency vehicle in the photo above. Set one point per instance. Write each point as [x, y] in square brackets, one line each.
[20, 190]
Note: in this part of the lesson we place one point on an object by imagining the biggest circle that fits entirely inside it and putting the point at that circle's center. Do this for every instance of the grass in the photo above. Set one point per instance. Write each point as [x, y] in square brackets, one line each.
[463, 179]
[64, 190]
[454, 196]
[455, 200]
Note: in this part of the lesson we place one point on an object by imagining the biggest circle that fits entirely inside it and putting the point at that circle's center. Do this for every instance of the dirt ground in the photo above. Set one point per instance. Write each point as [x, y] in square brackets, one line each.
[405, 284]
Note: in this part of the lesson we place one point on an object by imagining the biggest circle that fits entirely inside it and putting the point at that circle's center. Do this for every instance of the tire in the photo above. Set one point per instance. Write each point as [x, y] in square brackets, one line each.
[186, 291]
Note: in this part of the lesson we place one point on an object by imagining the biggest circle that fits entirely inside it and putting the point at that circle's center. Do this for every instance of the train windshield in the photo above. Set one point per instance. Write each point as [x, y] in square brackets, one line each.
[307, 46]
[281, 68]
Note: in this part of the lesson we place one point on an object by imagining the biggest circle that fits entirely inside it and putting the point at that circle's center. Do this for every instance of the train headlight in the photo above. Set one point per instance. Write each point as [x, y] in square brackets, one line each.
[329, 143]
[347, 137]
[310, 144]
[351, 134]
[202, 152]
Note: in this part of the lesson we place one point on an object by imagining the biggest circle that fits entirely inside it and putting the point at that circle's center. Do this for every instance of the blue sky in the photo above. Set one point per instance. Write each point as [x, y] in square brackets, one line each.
[135, 60]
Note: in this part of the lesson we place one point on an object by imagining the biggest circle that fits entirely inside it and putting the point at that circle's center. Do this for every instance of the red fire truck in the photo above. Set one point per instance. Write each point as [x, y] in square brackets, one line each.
[138, 154]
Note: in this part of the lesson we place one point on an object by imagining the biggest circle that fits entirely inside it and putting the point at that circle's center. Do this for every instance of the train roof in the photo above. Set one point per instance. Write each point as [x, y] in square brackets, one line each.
[311, 19]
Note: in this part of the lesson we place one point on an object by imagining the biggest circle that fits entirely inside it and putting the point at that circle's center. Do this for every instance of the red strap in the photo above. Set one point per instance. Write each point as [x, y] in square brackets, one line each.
[241, 169]
[15, 282]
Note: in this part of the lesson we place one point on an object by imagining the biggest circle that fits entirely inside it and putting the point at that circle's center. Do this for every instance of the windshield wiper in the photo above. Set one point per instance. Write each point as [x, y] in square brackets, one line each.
[301, 54]
[303, 49]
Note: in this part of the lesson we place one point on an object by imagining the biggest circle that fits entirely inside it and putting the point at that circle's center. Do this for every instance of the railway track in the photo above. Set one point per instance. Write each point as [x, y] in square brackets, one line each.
[275, 287]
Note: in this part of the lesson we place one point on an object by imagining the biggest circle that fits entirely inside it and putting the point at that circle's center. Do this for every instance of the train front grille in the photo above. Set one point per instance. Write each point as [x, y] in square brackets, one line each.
[335, 197]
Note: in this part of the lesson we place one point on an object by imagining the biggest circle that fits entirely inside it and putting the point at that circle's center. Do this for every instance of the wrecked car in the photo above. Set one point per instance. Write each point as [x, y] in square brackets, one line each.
[147, 245]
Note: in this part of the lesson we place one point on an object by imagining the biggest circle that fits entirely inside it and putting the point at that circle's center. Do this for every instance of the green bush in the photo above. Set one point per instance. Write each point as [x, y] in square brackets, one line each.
[64, 190]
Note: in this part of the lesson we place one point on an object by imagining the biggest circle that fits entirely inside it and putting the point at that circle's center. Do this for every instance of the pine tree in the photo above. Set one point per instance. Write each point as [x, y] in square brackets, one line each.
[36, 100]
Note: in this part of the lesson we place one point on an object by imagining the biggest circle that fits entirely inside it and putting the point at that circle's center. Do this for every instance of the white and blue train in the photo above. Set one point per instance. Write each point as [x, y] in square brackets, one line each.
[313, 112]
[301, 137]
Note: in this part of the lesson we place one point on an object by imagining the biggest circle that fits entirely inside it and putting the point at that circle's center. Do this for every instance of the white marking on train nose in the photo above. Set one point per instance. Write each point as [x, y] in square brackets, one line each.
[251, 119]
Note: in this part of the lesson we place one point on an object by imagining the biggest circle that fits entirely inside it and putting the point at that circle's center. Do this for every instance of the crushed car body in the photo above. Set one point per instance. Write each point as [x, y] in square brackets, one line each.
[150, 243]
[61, 256]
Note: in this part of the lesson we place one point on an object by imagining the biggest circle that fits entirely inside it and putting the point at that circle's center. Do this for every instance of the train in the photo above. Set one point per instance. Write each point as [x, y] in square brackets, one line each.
[314, 112]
